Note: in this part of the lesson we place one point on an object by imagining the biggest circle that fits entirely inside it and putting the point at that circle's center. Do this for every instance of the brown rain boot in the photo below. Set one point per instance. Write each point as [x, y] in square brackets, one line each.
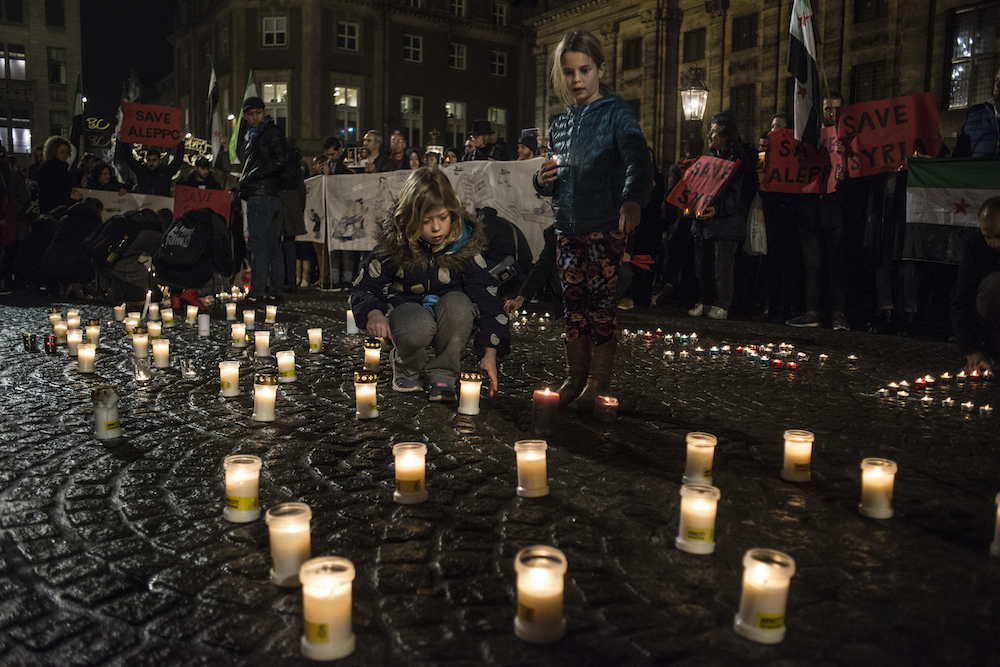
[578, 365]
[602, 361]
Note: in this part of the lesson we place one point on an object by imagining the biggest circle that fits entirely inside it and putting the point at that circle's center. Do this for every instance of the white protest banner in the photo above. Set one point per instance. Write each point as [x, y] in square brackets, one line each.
[130, 201]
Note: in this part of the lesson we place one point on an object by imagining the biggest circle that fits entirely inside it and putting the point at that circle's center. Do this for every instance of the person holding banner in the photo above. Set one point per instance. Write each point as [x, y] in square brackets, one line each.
[152, 176]
[600, 176]
[975, 300]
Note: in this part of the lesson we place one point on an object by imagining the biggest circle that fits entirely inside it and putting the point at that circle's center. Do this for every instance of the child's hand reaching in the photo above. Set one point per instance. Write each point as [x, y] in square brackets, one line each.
[378, 326]
[489, 364]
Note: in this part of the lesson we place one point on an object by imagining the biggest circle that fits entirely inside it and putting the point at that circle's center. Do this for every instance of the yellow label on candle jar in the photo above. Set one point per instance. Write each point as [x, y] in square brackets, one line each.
[234, 503]
[226, 384]
[111, 426]
[373, 406]
[286, 374]
[699, 534]
[707, 473]
[770, 621]
[318, 633]
[313, 346]
[408, 485]
[800, 467]
[526, 614]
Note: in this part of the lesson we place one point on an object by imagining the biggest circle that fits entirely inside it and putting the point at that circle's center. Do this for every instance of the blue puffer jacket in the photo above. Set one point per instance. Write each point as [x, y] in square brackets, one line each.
[603, 162]
[981, 135]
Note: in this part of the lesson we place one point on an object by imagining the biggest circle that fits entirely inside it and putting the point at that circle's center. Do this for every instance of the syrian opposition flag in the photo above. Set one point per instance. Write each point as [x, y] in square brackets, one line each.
[943, 198]
[236, 140]
[214, 122]
[802, 66]
[76, 133]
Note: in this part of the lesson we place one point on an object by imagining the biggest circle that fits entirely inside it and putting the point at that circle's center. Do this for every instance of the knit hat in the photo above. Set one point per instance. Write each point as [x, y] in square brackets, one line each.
[252, 103]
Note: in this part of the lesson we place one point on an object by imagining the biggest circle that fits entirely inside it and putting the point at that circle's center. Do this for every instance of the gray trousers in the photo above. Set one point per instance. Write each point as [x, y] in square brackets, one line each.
[448, 330]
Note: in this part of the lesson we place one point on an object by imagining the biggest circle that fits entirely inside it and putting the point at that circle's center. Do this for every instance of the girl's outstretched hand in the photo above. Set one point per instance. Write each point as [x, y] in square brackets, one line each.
[489, 364]
[629, 218]
[378, 326]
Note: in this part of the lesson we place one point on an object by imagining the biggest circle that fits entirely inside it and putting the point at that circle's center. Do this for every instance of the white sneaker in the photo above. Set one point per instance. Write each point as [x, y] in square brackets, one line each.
[716, 313]
[304, 283]
[698, 310]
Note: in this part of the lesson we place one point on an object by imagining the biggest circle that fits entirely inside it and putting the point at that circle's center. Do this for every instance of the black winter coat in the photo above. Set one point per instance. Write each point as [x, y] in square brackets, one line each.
[55, 184]
[978, 261]
[264, 161]
[149, 181]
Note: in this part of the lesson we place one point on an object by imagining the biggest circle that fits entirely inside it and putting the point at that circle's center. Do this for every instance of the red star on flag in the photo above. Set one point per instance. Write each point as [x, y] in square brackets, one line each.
[801, 92]
[803, 19]
[962, 207]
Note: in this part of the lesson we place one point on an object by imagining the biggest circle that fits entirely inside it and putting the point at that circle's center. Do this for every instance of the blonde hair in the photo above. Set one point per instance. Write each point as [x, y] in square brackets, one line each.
[579, 41]
[425, 191]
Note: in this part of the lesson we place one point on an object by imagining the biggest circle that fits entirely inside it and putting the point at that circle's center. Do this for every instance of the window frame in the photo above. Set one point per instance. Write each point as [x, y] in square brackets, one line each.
[980, 64]
[6, 69]
[632, 51]
[274, 31]
[346, 113]
[498, 63]
[746, 32]
[53, 61]
[5, 15]
[413, 44]
[696, 45]
[412, 121]
[457, 56]
[457, 8]
[456, 129]
[877, 84]
[499, 14]
[343, 38]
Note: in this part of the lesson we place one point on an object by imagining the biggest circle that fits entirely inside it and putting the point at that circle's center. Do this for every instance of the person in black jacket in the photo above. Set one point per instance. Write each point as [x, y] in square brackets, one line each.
[55, 182]
[484, 142]
[264, 162]
[975, 300]
[152, 176]
[202, 177]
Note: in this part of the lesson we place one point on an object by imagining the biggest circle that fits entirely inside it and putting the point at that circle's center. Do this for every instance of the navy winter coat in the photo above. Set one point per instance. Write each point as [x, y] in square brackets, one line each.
[981, 134]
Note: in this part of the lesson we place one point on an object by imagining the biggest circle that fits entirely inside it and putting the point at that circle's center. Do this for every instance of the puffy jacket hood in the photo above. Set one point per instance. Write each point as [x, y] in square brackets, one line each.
[390, 238]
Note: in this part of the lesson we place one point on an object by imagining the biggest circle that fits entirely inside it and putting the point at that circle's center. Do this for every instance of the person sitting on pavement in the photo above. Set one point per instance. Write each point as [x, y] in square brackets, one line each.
[202, 177]
[484, 144]
[426, 284]
[152, 176]
[975, 299]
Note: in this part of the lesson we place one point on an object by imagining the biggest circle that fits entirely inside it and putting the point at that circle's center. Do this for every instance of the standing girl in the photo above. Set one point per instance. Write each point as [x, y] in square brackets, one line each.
[600, 176]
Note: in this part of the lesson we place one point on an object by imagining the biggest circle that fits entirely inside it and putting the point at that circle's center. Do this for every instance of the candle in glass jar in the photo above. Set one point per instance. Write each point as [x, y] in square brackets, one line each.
[270, 314]
[161, 353]
[60, 330]
[130, 324]
[410, 472]
[155, 330]
[119, 313]
[135, 314]
[286, 366]
[231, 312]
[995, 547]
[167, 315]
[93, 332]
[140, 343]
[544, 411]
[700, 458]
[877, 479]
[696, 532]
[154, 312]
[365, 395]
[55, 315]
[73, 321]
[192, 315]
[265, 389]
[798, 456]
[249, 318]
[373, 352]
[288, 528]
[262, 342]
[767, 575]
[326, 608]
[470, 386]
[239, 335]
[85, 353]
[242, 484]
[540, 572]
[532, 477]
[606, 408]
[204, 325]
[315, 340]
[229, 378]
[73, 339]
[106, 424]
[352, 327]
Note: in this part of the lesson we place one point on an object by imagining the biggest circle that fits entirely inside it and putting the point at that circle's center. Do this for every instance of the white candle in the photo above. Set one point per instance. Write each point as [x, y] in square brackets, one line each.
[140, 343]
[161, 353]
[229, 378]
[540, 571]
[696, 531]
[700, 457]
[877, 479]
[286, 366]
[265, 389]
[54, 316]
[130, 324]
[239, 335]
[288, 528]
[249, 318]
[73, 321]
[106, 424]
[798, 456]
[366, 400]
[73, 339]
[326, 608]
[410, 471]
[60, 330]
[167, 314]
[135, 314]
[766, 577]
[532, 477]
[242, 482]
[315, 340]
[262, 342]
[192, 314]
[231, 312]
[352, 327]
[85, 353]
[270, 314]
[373, 352]
[72, 312]
[470, 386]
[995, 547]
[119, 313]
[155, 330]
[94, 332]
[204, 325]
[154, 312]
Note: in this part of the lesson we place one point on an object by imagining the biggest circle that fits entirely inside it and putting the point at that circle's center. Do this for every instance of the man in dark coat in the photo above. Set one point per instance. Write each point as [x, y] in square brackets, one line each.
[152, 176]
[975, 300]
[981, 134]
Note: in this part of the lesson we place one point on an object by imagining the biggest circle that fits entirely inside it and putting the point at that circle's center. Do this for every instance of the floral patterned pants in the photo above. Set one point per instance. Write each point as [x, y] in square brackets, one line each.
[588, 268]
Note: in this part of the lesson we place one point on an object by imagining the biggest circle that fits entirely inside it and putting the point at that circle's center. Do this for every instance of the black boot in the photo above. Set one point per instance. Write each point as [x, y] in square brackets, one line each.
[602, 361]
[578, 366]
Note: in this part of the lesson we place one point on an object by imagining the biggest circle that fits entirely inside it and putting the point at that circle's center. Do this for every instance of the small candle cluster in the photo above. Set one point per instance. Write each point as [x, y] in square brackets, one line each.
[922, 388]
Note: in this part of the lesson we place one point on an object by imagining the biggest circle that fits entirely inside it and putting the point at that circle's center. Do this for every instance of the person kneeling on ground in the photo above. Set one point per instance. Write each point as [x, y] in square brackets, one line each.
[423, 284]
[975, 300]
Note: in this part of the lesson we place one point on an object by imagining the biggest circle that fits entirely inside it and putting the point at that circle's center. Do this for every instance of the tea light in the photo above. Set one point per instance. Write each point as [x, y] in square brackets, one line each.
[739, 349]
[877, 478]
[270, 314]
[140, 343]
[883, 392]
[73, 321]
[167, 315]
[106, 424]
[929, 379]
[694, 338]
[791, 365]
[727, 349]
[231, 312]
[154, 312]
[94, 332]
[286, 366]
[265, 388]
[893, 385]
[920, 383]
[540, 571]
[249, 318]
[926, 401]
[262, 342]
[373, 351]
[189, 369]
[142, 370]
[410, 470]
[288, 528]
[766, 577]
[85, 353]
[903, 393]
[802, 355]
[948, 402]
[55, 315]
[315, 340]
[824, 357]
[239, 334]
[544, 411]
[365, 396]
[242, 484]
[777, 363]
[961, 377]
[985, 410]
[946, 377]
[605, 408]
[73, 339]
[119, 313]
[352, 326]
[669, 355]
[852, 358]
[469, 387]
[229, 378]
[696, 532]
[995, 547]
[130, 324]
[700, 455]
[326, 608]
[968, 406]
[204, 325]
[699, 350]
[532, 478]
[684, 354]
[192, 315]
[161, 353]
[904, 383]
[713, 351]
[798, 456]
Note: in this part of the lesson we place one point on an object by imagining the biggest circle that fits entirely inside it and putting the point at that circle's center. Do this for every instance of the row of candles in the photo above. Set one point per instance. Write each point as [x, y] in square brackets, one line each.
[902, 390]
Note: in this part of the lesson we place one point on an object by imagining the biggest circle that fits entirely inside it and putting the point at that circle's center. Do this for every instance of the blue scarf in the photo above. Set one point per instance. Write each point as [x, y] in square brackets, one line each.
[254, 132]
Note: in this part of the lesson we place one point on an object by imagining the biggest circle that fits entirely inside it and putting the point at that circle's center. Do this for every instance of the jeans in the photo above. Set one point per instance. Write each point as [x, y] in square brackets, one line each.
[267, 259]
[447, 330]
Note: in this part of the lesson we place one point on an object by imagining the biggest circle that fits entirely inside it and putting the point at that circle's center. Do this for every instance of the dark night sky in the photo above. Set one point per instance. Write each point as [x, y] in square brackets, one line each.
[119, 35]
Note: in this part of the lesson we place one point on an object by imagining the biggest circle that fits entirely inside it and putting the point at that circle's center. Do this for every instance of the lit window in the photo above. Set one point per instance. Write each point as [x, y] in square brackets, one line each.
[275, 28]
[456, 55]
[347, 36]
[455, 129]
[498, 119]
[275, 96]
[411, 110]
[973, 56]
[345, 113]
[12, 62]
[413, 48]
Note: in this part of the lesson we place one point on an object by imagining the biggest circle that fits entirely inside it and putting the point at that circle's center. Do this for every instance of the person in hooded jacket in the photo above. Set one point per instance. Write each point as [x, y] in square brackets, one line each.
[426, 283]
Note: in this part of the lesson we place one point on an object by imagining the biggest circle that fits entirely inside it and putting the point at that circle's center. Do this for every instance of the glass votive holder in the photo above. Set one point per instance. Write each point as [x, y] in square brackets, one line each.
[140, 342]
[130, 324]
[544, 411]
[192, 315]
[877, 479]
[135, 315]
[532, 474]
[73, 320]
[280, 331]
[373, 353]
[30, 341]
[167, 318]
[766, 577]
[262, 342]
[239, 335]
[540, 572]
[286, 366]
[155, 330]
[270, 314]
[204, 325]
[265, 390]
[229, 378]
[242, 485]
[365, 394]
[249, 319]
[326, 608]
[55, 315]
[142, 370]
[93, 331]
[288, 528]
[798, 456]
[470, 385]
[315, 340]
[154, 313]
[231, 312]
[85, 353]
[161, 353]
[189, 369]
[700, 458]
[60, 330]
[696, 531]
[410, 465]
[605, 408]
[106, 423]
[73, 339]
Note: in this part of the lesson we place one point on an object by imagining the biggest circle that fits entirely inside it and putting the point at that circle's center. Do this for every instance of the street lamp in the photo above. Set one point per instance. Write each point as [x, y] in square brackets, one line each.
[694, 95]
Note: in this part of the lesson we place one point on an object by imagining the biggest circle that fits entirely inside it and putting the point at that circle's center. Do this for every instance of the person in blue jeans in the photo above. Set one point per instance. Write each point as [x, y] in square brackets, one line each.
[263, 162]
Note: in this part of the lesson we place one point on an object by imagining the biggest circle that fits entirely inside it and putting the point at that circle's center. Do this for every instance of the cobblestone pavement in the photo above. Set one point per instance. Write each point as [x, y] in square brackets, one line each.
[116, 552]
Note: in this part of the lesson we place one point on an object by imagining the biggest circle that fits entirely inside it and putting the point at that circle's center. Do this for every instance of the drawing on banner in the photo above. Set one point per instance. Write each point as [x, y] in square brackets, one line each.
[351, 227]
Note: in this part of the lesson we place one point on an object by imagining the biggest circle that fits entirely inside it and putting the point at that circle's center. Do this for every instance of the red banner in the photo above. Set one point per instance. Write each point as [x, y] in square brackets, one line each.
[797, 168]
[878, 136]
[151, 125]
[701, 184]
[187, 198]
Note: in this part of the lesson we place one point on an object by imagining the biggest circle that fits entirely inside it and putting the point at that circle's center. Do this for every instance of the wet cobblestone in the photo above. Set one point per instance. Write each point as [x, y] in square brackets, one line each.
[116, 552]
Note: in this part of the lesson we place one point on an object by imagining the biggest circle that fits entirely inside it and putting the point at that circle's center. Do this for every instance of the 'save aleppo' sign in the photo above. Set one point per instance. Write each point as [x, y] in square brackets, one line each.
[701, 184]
[150, 124]
[187, 198]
